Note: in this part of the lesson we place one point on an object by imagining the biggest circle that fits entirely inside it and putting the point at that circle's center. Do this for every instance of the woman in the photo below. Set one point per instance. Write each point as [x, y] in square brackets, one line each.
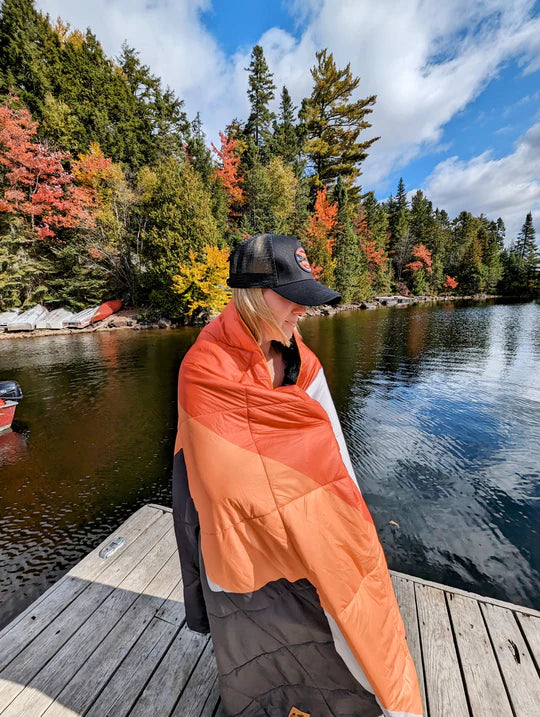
[280, 557]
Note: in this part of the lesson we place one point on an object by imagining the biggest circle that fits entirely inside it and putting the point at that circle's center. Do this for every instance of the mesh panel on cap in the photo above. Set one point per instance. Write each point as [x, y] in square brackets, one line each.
[252, 264]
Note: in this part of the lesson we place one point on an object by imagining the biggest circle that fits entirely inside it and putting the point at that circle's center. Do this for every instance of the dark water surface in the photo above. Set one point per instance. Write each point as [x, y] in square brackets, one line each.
[440, 406]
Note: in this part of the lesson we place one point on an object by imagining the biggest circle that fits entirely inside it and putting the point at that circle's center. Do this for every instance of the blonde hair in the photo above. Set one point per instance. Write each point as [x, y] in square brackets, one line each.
[256, 314]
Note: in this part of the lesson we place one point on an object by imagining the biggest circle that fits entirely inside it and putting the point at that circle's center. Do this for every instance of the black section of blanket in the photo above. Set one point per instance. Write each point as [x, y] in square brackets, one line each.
[274, 651]
[186, 528]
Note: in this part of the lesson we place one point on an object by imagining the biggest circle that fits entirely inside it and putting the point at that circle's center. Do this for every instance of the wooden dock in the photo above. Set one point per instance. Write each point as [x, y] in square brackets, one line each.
[109, 639]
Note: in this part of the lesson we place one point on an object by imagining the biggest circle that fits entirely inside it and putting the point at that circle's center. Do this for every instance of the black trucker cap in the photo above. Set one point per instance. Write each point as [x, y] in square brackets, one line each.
[277, 262]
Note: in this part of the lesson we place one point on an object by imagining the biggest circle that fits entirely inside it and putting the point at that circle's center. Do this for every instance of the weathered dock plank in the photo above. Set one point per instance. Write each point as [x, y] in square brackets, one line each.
[478, 662]
[170, 678]
[50, 677]
[38, 616]
[516, 663]
[444, 686]
[404, 590]
[110, 640]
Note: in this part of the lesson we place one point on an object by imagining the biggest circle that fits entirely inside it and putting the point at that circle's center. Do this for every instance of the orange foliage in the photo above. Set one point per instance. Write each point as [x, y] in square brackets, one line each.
[375, 257]
[423, 257]
[322, 222]
[229, 171]
[37, 186]
[92, 167]
[450, 282]
[317, 271]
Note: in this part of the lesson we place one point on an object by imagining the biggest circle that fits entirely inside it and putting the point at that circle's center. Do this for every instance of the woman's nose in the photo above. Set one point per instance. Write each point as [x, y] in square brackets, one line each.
[299, 310]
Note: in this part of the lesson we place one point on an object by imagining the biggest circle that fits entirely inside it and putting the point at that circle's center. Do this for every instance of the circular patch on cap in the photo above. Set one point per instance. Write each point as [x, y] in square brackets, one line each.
[301, 259]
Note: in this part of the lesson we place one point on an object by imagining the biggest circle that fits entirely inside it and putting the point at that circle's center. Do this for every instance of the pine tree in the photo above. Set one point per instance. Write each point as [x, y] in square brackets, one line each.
[526, 252]
[198, 153]
[28, 54]
[260, 93]
[334, 123]
[346, 252]
[285, 138]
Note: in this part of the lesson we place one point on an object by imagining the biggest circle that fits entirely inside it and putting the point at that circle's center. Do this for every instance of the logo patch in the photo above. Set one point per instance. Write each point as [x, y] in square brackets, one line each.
[295, 712]
[303, 263]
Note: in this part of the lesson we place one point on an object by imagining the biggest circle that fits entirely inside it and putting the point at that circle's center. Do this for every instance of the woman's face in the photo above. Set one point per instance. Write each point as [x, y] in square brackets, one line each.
[285, 312]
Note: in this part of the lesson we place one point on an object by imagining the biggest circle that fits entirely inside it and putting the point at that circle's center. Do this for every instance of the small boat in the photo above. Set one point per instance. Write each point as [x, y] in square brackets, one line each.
[7, 316]
[10, 395]
[54, 319]
[28, 320]
[95, 313]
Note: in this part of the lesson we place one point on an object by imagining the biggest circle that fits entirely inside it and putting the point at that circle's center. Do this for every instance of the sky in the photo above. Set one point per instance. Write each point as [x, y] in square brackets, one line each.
[457, 82]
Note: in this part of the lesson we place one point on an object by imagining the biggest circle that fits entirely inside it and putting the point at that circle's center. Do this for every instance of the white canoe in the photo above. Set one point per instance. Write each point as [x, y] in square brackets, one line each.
[28, 320]
[55, 319]
[7, 316]
[82, 319]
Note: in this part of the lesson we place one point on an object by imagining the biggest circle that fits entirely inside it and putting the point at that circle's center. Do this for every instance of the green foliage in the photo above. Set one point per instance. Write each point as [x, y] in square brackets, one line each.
[349, 268]
[260, 93]
[178, 211]
[334, 123]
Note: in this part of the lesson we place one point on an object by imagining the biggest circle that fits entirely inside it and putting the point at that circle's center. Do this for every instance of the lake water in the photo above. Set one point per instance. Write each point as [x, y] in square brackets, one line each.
[440, 406]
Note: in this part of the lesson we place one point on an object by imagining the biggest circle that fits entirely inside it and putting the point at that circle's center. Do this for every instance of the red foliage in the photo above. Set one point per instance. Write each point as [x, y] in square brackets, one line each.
[229, 172]
[450, 282]
[423, 257]
[35, 183]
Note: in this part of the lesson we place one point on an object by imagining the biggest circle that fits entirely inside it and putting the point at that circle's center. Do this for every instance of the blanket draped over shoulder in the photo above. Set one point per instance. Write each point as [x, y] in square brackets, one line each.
[271, 480]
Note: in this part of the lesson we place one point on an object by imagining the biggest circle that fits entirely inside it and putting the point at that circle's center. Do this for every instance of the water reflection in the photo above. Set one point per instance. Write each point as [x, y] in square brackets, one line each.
[439, 405]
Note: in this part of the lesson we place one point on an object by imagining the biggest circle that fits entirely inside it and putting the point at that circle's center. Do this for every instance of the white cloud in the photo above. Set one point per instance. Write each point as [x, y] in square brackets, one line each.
[425, 61]
[507, 187]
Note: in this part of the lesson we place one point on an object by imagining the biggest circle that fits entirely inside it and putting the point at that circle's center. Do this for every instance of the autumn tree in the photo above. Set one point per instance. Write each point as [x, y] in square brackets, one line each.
[35, 184]
[260, 93]
[419, 268]
[229, 174]
[201, 282]
[334, 123]
[319, 236]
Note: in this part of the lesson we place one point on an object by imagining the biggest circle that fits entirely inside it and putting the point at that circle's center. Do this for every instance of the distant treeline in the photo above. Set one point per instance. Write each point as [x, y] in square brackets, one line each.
[107, 189]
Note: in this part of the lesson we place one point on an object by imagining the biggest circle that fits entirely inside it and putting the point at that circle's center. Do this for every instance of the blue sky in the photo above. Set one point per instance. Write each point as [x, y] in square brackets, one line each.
[458, 83]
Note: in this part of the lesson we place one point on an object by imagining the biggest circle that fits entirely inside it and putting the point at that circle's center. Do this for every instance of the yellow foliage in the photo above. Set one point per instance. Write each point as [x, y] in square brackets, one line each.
[202, 282]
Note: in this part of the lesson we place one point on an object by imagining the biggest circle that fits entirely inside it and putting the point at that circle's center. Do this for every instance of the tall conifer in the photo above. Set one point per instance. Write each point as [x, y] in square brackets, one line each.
[334, 123]
[260, 93]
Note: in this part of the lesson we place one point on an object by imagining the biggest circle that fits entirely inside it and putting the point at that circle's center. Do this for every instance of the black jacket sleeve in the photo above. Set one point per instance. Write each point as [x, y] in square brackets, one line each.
[186, 528]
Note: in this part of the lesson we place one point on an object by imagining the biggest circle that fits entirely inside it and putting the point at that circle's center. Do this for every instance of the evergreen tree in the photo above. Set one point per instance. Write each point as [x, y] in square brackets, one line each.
[334, 123]
[421, 220]
[260, 93]
[527, 255]
[28, 54]
[285, 138]
[346, 252]
[198, 153]
[179, 218]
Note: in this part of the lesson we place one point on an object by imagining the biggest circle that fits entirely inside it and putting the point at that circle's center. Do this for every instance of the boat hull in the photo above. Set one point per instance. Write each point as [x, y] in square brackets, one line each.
[7, 413]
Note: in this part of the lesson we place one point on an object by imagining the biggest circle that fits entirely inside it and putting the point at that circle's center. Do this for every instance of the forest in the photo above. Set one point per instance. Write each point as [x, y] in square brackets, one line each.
[109, 190]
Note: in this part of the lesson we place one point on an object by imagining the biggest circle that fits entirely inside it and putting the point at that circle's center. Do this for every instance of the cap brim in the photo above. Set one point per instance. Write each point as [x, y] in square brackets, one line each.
[308, 292]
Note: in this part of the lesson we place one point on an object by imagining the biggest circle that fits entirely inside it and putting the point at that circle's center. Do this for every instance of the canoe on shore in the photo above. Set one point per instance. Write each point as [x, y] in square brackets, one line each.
[54, 319]
[28, 320]
[93, 314]
[7, 316]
